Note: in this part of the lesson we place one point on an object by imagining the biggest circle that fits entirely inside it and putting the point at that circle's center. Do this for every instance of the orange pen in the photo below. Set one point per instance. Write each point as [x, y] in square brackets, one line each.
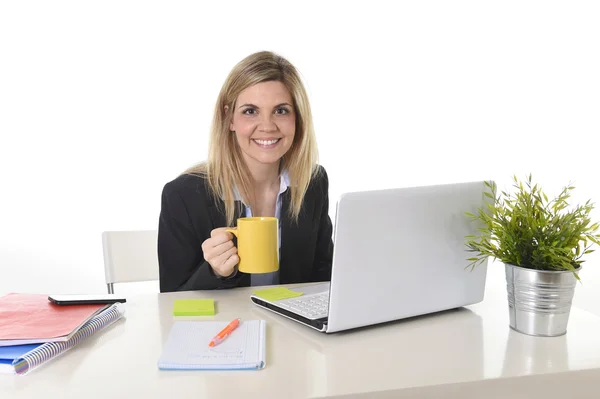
[224, 333]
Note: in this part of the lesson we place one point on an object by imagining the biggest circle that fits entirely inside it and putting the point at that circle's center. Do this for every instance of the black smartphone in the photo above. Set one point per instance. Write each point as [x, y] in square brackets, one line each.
[79, 299]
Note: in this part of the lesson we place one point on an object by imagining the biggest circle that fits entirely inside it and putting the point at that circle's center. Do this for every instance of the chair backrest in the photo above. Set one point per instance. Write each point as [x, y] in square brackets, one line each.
[130, 256]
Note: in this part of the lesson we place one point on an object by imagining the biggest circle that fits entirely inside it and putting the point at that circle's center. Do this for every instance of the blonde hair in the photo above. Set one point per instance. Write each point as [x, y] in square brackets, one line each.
[225, 167]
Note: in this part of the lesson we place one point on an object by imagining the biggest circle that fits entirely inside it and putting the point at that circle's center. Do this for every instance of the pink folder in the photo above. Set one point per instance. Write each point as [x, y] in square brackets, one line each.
[32, 318]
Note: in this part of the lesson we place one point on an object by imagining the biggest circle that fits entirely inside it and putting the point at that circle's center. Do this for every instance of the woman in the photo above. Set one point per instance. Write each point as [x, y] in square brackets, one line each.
[262, 162]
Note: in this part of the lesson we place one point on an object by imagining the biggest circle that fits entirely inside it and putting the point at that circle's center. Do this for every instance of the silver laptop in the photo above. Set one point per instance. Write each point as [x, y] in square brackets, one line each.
[398, 253]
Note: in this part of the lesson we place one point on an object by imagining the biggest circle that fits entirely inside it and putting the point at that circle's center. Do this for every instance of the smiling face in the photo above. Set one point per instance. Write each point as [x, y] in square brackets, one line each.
[264, 122]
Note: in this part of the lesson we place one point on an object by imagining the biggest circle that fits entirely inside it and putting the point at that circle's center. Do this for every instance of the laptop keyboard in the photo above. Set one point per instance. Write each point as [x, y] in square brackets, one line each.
[313, 306]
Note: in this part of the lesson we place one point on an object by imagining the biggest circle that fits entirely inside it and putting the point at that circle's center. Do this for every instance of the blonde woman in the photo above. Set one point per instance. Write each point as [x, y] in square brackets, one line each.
[262, 162]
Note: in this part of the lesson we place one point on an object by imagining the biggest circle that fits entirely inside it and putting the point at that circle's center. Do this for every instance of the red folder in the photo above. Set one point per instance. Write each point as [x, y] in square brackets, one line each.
[32, 318]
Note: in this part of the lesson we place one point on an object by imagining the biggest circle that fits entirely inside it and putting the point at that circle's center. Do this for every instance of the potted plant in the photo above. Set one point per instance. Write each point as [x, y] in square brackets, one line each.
[542, 244]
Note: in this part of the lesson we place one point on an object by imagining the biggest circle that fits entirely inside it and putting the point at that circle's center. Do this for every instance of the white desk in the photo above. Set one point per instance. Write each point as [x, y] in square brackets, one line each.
[463, 353]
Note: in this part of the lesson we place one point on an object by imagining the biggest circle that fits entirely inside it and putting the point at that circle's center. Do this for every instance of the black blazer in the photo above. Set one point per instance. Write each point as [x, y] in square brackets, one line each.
[189, 213]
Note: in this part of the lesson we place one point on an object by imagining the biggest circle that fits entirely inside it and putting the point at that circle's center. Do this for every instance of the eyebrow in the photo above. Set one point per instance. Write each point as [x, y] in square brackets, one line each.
[254, 106]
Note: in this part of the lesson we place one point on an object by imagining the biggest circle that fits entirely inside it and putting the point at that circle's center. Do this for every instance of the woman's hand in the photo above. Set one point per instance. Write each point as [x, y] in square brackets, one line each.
[220, 253]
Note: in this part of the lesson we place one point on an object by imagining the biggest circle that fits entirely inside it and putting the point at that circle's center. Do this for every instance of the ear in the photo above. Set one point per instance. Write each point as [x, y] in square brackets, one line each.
[226, 109]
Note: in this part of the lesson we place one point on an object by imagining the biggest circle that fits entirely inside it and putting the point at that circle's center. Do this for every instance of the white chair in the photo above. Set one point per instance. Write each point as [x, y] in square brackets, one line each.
[129, 256]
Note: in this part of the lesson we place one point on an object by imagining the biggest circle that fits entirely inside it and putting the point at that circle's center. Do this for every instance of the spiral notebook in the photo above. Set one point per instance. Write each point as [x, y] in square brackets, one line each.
[187, 346]
[22, 359]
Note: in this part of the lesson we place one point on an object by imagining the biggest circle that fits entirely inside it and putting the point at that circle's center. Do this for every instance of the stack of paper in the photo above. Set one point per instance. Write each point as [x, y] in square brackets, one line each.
[33, 330]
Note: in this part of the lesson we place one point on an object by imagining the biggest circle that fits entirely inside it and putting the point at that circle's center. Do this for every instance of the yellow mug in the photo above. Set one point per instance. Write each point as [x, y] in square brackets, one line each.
[258, 244]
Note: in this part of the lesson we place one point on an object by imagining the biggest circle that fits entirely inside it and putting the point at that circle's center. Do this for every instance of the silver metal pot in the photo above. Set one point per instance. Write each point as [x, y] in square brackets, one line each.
[539, 301]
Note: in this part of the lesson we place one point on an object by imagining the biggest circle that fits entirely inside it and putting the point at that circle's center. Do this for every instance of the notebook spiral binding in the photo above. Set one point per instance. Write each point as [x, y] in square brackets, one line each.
[51, 350]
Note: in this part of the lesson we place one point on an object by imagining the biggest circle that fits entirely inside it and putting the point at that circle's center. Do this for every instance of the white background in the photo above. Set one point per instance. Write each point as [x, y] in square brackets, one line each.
[102, 103]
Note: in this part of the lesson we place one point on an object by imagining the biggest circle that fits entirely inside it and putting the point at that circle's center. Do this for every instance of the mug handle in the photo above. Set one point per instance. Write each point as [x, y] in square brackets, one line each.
[232, 230]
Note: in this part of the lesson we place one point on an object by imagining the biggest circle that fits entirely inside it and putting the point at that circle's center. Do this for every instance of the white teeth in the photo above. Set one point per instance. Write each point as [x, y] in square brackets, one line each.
[266, 142]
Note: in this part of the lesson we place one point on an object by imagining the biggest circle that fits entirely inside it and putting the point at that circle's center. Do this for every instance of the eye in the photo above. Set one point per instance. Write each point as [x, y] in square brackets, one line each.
[282, 111]
[249, 111]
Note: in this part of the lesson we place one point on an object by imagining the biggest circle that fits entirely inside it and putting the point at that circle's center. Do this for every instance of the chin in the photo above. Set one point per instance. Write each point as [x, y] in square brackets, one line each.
[263, 157]
[268, 161]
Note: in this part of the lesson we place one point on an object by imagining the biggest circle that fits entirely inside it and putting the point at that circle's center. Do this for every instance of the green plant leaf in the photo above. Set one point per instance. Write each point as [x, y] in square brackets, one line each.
[526, 228]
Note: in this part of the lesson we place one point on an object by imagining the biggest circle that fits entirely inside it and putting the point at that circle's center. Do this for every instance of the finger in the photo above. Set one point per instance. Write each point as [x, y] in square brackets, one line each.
[229, 265]
[212, 251]
[219, 231]
[222, 258]
[220, 238]
[221, 248]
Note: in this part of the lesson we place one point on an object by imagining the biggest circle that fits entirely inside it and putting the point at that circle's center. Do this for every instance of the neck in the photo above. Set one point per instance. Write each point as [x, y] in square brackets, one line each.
[264, 176]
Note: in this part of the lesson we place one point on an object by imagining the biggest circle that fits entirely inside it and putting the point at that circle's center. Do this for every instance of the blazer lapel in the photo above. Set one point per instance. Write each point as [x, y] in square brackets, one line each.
[217, 214]
[285, 225]
[292, 237]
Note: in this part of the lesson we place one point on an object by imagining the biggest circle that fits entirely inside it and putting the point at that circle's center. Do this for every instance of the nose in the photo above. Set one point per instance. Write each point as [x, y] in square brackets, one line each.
[267, 123]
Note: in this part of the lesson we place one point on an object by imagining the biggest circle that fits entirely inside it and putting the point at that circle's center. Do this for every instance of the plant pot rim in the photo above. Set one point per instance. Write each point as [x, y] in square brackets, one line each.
[577, 269]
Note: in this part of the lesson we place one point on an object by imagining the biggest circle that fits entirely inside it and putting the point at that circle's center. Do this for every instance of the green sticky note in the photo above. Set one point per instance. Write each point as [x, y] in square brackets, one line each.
[277, 293]
[194, 307]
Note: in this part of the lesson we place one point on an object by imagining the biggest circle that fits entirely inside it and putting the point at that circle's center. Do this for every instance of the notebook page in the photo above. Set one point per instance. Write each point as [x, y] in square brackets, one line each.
[187, 346]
